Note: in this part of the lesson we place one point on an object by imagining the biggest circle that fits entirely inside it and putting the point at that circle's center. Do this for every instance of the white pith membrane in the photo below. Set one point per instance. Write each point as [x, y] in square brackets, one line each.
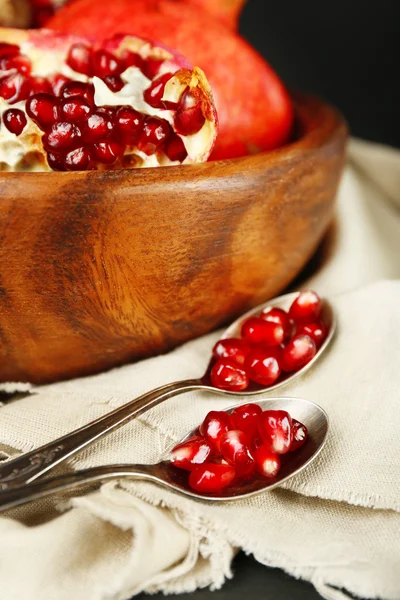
[26, 152]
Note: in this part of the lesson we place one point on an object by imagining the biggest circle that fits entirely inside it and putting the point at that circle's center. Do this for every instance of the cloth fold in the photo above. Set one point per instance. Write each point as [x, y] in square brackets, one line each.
[336, 524]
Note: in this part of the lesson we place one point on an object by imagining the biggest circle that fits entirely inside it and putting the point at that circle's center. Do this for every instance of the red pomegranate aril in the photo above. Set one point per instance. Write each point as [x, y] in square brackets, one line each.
[262, 366]
[19, 62]
[78, 88]
[78, 159]
[98, 127]
[300, 434]
[129, 124]
[155, 132]
[298, 352]
[114, 82]
[210, 478]
[275, 427]
[107, 152]
[62, 136]
[280, 317]
[235, 449]
[245, 418]
[316, 331]
[105, 64]
[189, 118]
[235, 349]
[55, 161]
[40, 85]
[153, 94]
[175, 149]
[151, 67]
[15, 120]
[14, 88]
[267, 462]
[75, 109]
[228, 375]
[131, 59]
[190, 453]
[8, 49]
[259, 331]
[43, 110]
[216, 423]
[57, 82]
[306, 308]
[79, 58]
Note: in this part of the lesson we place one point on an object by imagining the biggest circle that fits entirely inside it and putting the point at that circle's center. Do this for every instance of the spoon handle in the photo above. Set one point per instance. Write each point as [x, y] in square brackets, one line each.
[17, 496]
[28, 467]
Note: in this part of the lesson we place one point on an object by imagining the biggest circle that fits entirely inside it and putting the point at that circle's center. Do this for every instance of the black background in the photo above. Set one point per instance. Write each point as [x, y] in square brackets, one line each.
[347, 51]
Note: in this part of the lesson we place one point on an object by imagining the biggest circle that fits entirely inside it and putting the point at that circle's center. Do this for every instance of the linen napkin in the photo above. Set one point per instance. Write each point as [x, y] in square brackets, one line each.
[336, 525]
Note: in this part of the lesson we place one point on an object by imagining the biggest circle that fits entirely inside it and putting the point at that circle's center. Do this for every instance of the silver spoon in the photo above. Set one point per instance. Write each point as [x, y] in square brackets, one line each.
[32, 465]
[168, 476]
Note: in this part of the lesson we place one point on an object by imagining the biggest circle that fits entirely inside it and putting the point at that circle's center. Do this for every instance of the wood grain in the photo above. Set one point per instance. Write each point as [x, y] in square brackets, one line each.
[101, 268]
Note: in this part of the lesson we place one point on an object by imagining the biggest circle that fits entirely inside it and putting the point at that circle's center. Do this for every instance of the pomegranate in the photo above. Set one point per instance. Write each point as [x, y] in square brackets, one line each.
[67, 104]
[245, 418]
[210, 478]
[267, 462]
[216, 423]
[298, 352]
[235, 349]
[255, 111]
[300, 435]
[190, 453]
[235, 449]
[259, 331]
[280, 317]
[306, 308]
[262, 366]
[316, 331]
[228, 375]
[276, 430]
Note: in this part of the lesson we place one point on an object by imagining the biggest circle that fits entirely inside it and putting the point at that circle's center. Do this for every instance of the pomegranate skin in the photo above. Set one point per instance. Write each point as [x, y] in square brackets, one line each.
[254, 109]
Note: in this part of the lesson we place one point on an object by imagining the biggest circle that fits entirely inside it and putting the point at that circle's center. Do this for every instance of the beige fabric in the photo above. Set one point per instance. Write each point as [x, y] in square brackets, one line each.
[337, 525]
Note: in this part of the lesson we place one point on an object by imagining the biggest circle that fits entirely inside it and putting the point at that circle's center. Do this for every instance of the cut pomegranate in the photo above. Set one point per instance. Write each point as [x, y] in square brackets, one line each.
[227, 375]
[116, 109]
[194, 451]
[276, 430]
[300, 435]
[316, 331]
[245, 418]
[267, 462]
[211, 478]
[280, 317]
[259, 331]
[262, 366]
[235, 448]
[298, 352]
[235, 349]
[306, 308]
[214, 426]
[15, 120]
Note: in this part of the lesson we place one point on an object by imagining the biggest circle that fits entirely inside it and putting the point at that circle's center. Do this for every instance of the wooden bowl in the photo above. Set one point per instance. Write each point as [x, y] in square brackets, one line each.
[101, 268]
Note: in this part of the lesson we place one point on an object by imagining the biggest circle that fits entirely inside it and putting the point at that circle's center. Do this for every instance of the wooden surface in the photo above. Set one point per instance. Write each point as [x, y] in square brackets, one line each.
[98, 269]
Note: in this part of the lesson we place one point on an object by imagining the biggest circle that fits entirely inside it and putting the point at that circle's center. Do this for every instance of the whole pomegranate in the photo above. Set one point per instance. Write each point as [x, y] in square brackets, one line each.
[69, 105]
[254, 109]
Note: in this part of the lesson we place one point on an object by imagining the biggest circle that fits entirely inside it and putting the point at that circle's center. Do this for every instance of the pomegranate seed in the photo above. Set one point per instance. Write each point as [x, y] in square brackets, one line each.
[19, 62]
[306, 308]
[55, 161]
[77, 88]
[298, 352]
[280, 317]
[105, 63]
[189, 118]
[245, 418]
[129, 124]
[258, 331]
[300, 434]
[79, 58]
[276, 430]
[108, 152]
[98, 127]
[111, 111]
[316, 331]
[228, 375]
[43, 110]
[155, 132]
[14, 88]
[151, 67]
[114, 82]
[15, 120]
[8, 49]
[210, 478]
[216, 423]
[131, 59]
[153, 95]
[267, 462]
[262, 366]
[57, 82]
[75, 109]
[190, 453]
[235, 349]
[78, 159]
[175, 148]
[62, 136]
[236, 451]
[40, 85]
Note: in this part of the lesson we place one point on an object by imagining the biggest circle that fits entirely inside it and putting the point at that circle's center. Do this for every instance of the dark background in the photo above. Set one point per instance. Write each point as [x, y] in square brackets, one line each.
[347, 51]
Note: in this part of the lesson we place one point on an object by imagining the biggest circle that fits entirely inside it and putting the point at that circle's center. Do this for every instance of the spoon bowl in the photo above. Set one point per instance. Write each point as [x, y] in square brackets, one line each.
[168, 476]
